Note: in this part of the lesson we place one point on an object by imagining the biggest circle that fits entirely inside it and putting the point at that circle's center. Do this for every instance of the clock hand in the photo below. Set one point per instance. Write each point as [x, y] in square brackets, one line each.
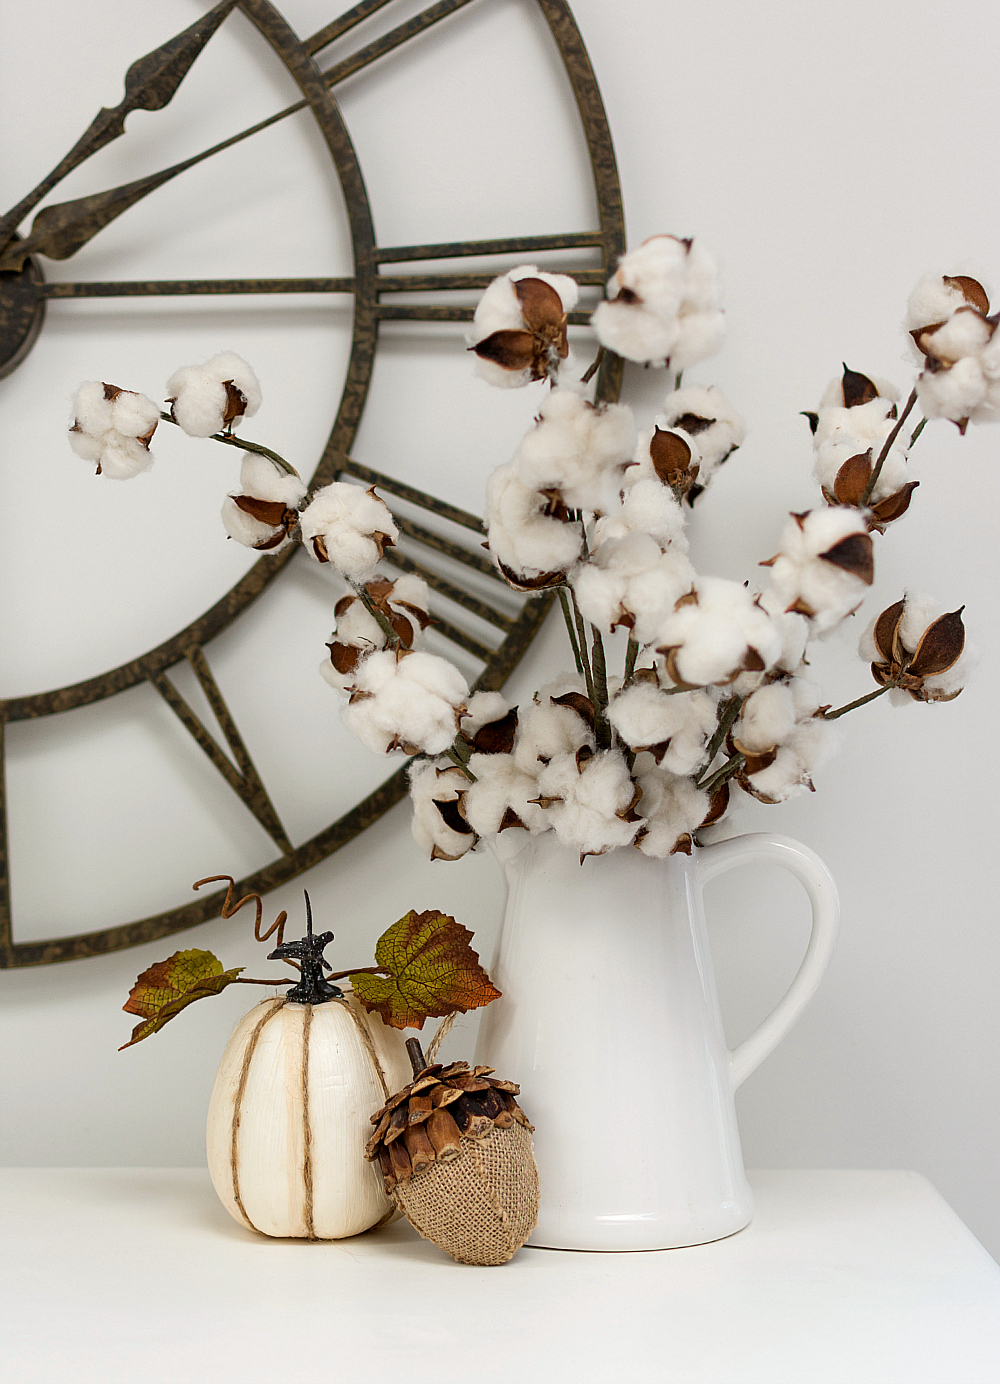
[61, 230]
[150, 84]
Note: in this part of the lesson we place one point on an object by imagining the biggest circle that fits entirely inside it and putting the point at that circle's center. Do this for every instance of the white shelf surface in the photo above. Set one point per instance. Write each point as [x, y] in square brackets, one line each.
[119, 1275]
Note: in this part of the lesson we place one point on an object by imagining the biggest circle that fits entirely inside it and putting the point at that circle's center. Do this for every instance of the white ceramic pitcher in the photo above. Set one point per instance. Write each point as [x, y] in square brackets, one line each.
[610, 1022]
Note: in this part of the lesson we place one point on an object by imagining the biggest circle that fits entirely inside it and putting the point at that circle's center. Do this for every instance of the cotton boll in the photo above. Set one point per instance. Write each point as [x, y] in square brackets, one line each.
[630, 581]
[811, 745]
[646, 718]
[578, 450]
[710, 639]
[648, 507]
[707, 415]
[587, 799]
[113, 428]
[205, 399]
[483, 709]
[957, 393]
[635, 332]
[243, 527]
[933, 300]
[869, 423]
[671, 808]
[260, 477]
[522, 537]
[803, 577]
[501, 789]
[406, 701]
[546, 731]
[440, 835]
[767, 719]
[701, 335]
[348, 527]
[357, 626]
[964, 334]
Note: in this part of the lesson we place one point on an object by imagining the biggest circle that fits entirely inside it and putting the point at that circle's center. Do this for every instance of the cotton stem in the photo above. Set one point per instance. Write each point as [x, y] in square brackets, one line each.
[732, 766]
[564, 603]
[392, 638]
[918, 430]
[631, 654]
[861, 701]
[728, 716]
[582, 637]
[231, 441]
[887, 446]
[457, 759]
[593, 367]
[602, 728]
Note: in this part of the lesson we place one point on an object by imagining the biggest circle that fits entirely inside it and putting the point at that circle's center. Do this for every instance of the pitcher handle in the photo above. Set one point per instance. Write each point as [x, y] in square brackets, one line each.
[818, 883]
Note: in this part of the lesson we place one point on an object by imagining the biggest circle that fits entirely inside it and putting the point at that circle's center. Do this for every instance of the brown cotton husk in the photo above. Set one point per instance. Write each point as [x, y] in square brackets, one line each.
[854, 554]
[858, 389]
[577, 702]
[671, 458]
[940, 646]
[496, 737]
[971, 290]
[236, 403]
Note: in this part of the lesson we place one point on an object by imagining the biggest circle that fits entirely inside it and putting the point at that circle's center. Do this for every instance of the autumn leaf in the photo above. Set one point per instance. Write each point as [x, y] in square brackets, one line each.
[431, 968]
[160, 993]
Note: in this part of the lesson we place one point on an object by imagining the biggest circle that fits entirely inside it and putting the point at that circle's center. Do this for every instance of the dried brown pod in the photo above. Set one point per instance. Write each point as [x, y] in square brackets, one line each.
[455, 1152]
[540, 343]
[671, 456]
[939, 648]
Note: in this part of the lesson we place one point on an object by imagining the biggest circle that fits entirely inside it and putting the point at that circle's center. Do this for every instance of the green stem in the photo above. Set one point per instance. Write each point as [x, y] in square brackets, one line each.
[392, 638]
[244, 446]
[593, 368]
[887, 446]
[861, 701]
[453, 754]
[726, 719]
[631, 654]
[602, 728]
[677, 379]
[731, 767]
[918, 430]
[582, 636]
[564, 603]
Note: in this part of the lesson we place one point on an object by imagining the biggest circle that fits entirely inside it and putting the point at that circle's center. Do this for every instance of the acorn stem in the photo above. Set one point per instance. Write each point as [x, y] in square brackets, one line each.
[416, 1055]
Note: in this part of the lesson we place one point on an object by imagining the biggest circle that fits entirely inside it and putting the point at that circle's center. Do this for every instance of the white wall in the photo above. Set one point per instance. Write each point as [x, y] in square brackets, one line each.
[829, 155]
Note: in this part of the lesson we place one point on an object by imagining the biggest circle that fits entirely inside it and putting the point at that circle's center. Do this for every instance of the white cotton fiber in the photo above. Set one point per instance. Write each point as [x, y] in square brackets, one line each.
[198, 397]
[348, 526]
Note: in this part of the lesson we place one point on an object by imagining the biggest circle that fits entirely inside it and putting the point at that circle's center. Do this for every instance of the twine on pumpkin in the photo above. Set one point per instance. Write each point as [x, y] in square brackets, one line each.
[307, 1168]
[234, 1166]
[366, 1038]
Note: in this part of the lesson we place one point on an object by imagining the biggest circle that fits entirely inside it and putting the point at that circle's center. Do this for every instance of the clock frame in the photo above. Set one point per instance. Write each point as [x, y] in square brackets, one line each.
[443, 531]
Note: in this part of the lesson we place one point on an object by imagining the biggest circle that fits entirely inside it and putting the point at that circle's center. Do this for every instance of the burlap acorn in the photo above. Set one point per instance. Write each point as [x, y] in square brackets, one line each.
[455, 1152]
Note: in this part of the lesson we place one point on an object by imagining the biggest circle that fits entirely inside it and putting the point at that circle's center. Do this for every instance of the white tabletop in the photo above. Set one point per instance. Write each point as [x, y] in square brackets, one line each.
[138, 1276]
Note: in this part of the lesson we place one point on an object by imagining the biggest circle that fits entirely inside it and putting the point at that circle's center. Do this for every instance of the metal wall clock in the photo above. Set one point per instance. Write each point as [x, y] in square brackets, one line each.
[389, 283]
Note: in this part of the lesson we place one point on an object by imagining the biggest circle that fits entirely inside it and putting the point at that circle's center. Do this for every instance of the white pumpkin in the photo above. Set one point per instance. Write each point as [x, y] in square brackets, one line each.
[290, 1115]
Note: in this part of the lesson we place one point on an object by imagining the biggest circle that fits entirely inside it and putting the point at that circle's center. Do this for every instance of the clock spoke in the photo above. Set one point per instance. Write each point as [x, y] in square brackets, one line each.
[337, 27]
[176, 288]
[150, 84]
[444, 545]
[511, 245]
[244, 780]
[6, 935]
[429, 312]
[436, 283]
[380, 46]
[403, 491]
[460, 597]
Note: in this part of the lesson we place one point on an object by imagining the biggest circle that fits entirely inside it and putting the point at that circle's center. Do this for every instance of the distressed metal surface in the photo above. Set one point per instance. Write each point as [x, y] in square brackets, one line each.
[61, 230]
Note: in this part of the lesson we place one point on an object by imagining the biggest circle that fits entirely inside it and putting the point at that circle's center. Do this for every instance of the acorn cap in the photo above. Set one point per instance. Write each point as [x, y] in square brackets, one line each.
[426, 1122]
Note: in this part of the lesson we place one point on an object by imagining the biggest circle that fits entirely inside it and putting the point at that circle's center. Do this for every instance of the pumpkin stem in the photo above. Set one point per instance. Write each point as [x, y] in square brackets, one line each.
[313, 987]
